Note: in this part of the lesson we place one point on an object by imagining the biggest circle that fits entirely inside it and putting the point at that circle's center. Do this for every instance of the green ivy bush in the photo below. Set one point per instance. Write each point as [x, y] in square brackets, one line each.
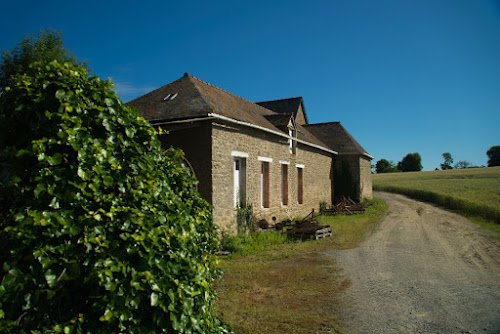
[100, 230]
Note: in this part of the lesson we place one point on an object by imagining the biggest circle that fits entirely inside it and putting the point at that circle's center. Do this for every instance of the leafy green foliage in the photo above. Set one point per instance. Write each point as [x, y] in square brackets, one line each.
[385, 166]
[100, 231]
[48, 46]
[493, 156]
[463, 164]
[448, 161]
[412, 162]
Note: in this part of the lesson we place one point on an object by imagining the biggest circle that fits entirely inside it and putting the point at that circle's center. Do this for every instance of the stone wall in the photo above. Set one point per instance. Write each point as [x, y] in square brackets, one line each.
[194, 140]
[346, 180]
[365, 172]
[255, 147]
[211, 150]
[353, 176]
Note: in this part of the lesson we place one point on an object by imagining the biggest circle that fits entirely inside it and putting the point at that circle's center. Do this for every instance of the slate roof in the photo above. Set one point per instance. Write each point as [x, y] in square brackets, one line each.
[197, 99]
[337, 138]
[279, 119]
[285, 106]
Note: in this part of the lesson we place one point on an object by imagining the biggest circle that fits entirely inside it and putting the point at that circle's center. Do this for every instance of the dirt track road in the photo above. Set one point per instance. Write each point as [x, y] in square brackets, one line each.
[423, 270]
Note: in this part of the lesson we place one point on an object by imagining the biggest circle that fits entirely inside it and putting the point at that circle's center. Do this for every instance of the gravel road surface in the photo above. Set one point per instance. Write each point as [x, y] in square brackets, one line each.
[422, 270]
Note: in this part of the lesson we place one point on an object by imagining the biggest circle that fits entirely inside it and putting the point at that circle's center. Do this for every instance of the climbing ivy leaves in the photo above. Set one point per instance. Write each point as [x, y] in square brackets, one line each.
[100, 230]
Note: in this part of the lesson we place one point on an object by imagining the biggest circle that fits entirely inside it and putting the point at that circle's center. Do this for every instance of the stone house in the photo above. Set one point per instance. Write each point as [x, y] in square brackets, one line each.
[352, 164]
[263, 154]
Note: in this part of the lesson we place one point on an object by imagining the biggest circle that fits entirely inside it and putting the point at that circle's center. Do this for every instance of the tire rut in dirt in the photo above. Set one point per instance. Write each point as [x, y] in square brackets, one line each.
[423, 270]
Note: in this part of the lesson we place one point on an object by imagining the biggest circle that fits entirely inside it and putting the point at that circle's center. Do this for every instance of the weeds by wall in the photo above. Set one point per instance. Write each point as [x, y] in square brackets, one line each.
[245, 219]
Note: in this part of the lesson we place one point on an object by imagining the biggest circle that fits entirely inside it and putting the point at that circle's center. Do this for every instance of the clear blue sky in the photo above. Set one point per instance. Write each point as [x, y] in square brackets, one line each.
[401, 75]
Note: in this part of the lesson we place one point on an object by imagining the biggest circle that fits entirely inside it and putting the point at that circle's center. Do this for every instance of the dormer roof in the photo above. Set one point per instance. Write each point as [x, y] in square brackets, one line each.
[293, 105]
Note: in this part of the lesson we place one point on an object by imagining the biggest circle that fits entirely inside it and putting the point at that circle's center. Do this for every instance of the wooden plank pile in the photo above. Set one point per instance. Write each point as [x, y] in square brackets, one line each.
[324, 232]
[306, 228]
[345, 206]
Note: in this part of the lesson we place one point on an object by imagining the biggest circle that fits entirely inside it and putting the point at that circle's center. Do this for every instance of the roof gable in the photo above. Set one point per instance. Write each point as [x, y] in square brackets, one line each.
[337, 138]
[188, 102]
[279, 119]
[294, 106]
[197, 98]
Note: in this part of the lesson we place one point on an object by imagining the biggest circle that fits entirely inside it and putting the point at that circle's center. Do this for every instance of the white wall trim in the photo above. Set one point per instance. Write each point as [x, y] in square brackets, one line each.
[369, 156]
[265, 159]
[284, 162]
[238, 154]
[300, 166]
[362, 154]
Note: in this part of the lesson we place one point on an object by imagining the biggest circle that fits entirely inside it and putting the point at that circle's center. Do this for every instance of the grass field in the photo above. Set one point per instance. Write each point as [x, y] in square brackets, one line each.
[473, 191]
[273, 285]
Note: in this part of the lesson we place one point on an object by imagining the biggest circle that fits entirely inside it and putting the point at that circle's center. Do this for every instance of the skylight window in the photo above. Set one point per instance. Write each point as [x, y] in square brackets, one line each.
[170, 97]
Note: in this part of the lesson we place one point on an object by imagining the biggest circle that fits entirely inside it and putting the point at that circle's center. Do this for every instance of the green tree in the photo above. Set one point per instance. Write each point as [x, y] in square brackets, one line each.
[412, 162]
[493, 156]
[385, 166]
[448, 161]
[46, 47]
[463, 164]
[101, 231]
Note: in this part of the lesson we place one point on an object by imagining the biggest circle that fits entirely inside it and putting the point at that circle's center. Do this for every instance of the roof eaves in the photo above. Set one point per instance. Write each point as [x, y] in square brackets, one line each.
[283, 99]
[161, 121]
[357, 153]
[278, 133]
[320, 124]
[369, 156]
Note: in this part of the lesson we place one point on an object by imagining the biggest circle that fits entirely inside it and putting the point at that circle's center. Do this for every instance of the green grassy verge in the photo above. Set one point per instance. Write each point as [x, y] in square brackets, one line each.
[274, 285]
[487, 225]
[472, 192]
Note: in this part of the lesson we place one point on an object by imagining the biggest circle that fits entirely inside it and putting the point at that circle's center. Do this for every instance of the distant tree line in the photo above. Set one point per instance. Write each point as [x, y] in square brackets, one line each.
[412, 162]
[493, 160]
[448, 163]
